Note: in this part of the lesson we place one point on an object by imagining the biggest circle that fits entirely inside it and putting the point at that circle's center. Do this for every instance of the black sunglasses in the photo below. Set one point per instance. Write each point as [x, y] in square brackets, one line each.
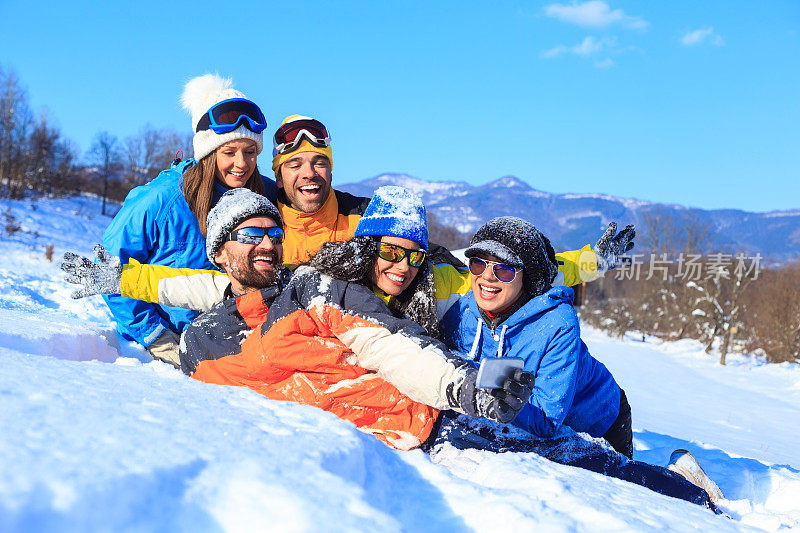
[394, 254]
[255, 235]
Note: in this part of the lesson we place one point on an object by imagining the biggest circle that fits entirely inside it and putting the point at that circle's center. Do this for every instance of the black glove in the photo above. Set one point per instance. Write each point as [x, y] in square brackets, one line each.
[500, 405]
[103, 277]
[610, 247]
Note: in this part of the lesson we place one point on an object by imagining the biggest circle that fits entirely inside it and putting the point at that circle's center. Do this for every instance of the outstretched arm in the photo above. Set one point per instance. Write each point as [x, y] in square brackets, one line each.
[180, 287]
[587, 264]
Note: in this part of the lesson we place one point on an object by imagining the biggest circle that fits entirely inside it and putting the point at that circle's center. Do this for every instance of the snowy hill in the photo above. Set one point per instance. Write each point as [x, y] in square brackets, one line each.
[572, 220]
[95, 437]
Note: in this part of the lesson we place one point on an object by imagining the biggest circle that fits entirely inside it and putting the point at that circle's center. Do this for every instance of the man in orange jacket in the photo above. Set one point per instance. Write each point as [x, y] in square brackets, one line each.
[313, 212]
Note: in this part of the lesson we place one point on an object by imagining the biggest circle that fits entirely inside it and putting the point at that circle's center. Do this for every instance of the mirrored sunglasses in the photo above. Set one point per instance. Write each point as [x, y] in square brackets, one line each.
[501, 271]
[394, 254]
[255, 235]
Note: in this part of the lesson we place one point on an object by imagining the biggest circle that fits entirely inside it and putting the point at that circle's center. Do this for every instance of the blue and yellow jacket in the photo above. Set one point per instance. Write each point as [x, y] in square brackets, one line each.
[156, 226]
[571, 387]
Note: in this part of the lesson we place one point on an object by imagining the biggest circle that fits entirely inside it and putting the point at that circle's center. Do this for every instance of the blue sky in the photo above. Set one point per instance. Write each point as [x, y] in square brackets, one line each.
[689, 102]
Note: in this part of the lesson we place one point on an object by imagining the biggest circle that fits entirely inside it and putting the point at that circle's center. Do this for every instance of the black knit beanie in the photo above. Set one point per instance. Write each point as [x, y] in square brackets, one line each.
[518, 243]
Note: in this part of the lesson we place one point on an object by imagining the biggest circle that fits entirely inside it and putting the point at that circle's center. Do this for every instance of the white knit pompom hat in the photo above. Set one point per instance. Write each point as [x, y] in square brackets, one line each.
[199, 95]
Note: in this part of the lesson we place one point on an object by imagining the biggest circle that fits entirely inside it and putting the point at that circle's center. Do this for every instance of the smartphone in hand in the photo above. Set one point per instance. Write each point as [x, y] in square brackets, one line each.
[495, 370]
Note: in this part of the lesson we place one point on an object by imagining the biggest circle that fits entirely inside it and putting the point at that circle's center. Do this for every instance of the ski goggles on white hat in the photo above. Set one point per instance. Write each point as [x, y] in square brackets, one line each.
[289, 136]
[227, 115]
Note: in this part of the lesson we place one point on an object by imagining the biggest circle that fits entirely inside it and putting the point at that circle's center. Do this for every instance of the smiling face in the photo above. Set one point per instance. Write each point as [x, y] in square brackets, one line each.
[251, 267]
[306, 181]
[236, 161]
[492, 294]
[394, 278]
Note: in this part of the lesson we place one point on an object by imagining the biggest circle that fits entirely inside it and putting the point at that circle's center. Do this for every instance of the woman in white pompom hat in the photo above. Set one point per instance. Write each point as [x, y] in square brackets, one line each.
[164, 221]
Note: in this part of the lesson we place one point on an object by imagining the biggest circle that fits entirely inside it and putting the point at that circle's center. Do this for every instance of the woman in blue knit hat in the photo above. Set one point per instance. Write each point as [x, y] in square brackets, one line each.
[389, 255]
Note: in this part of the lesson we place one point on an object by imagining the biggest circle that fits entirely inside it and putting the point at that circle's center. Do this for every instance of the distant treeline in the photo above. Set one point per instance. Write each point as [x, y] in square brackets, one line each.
[36, 157]
[682, 288]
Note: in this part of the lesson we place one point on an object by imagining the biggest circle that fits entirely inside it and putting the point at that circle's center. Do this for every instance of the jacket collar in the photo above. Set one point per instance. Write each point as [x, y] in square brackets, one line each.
[508, 313]
[219, 190]
[525, 309]
[326, 216]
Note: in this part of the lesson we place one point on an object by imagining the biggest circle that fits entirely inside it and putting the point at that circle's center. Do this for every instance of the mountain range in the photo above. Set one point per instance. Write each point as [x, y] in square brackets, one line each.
[573, 220]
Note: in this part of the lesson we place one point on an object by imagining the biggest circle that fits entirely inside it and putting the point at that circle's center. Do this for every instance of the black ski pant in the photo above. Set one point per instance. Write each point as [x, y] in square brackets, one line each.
[620, 434]
[464, 432]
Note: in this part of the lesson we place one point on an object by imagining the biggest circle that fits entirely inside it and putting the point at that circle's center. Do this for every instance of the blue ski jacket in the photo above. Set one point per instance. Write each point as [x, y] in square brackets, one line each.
[571, 387]
[156, 226]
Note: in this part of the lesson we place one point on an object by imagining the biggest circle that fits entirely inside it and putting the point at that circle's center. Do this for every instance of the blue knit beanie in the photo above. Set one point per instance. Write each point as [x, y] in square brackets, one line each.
[395, 212]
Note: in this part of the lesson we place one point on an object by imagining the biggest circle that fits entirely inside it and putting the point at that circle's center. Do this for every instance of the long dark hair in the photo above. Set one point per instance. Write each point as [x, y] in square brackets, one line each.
[354, 260]
[198, 187]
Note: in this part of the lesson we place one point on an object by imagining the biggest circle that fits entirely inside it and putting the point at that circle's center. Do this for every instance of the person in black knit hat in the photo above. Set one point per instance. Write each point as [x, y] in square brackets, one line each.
[513, 311]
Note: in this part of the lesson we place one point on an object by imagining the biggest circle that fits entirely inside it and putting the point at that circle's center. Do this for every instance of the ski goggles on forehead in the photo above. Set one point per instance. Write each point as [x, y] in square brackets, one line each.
[255, 235]
[501, 271]
[395, 254]
[226, 116]
[290, 135]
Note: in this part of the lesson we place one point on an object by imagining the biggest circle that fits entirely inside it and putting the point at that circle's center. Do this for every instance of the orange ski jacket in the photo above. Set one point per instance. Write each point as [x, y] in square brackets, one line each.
[335, 345]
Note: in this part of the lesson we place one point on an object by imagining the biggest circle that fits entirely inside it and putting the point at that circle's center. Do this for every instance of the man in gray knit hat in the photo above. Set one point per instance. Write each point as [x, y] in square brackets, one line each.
[244, 239]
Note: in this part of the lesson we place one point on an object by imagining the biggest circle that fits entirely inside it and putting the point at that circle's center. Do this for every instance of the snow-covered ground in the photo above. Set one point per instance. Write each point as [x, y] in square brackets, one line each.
[94, 437]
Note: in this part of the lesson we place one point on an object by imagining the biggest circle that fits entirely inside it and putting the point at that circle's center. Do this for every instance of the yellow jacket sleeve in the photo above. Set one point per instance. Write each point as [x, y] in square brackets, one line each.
[180, 287]
[576, 266]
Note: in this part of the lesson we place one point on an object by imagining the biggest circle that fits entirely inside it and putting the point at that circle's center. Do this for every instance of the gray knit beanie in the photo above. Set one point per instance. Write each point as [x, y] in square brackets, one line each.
[235, 206]
[518, 243]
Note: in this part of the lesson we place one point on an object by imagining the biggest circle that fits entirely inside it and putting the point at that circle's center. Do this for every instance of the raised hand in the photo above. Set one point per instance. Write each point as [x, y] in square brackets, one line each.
[102, 277]
[612, 245]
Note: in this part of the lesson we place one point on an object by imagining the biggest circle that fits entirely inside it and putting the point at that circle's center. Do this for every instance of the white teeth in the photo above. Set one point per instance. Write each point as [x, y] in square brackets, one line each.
[394, 277]
[310, 188]
[490, 289]
[240, 174]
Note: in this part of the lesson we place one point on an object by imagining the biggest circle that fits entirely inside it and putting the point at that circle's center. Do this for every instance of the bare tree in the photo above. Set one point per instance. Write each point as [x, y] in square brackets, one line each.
[718, 300]
[43, 153]
[105, 151]
[658, 231]
[772, 314]
[15, 121]
[697, 235]
[148, 152]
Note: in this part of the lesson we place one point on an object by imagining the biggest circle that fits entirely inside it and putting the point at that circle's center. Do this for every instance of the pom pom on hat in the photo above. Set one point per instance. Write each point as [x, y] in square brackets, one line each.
[233, 208]
[199, 95]
[395, 212]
